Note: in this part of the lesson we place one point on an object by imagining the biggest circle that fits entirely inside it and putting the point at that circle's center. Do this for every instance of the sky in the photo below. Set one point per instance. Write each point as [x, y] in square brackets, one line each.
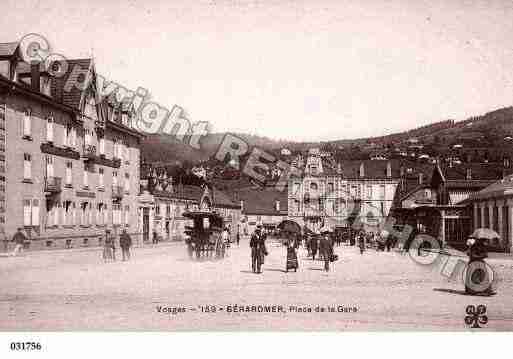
[298, 70]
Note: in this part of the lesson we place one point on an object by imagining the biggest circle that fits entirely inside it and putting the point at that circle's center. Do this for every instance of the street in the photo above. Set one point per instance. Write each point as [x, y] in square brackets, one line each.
[75, 290]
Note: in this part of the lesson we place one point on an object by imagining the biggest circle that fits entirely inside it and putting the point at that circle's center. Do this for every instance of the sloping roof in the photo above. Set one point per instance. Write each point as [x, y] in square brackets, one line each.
[478, 171]
[474, 184]
[24, 69]
[262, 201]
[378, 169]
[221, 200]
[497, 189]
[74, 96]
[7, 49]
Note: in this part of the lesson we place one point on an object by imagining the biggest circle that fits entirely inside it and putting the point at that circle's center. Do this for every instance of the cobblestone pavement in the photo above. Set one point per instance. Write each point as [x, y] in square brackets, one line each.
[75, 290]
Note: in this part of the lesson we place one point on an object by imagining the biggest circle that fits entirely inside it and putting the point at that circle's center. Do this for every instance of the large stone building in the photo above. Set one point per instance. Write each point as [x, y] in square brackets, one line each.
[69, 163]
[337, 195]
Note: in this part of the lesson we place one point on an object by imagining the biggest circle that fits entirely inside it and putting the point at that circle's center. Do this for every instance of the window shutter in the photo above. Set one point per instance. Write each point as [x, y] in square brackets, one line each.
[26, 123]
[35, 212]
[106, 214]
[49, 129]
[27, 166]
[49, 166]
[73, 137]
[102, 146]
[26, 212]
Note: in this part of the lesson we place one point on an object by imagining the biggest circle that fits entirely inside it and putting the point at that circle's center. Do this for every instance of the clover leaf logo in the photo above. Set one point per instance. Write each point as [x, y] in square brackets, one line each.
[476, 316]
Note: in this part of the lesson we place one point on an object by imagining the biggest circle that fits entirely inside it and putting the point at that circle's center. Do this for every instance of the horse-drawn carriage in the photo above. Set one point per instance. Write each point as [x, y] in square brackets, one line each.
[204, 236]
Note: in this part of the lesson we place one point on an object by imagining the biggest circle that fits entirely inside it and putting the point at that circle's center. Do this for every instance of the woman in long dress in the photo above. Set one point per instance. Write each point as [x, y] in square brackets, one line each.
[292, 262]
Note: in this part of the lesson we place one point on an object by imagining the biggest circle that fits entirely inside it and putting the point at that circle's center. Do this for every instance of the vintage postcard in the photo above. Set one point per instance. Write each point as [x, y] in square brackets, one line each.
[245, 165]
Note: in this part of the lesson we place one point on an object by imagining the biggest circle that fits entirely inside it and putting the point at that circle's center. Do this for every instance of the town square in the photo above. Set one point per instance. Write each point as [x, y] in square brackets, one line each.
[75, 290]
[184, 166]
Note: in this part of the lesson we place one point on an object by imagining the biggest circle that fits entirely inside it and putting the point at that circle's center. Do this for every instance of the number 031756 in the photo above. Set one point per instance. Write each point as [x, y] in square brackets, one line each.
[25, 346]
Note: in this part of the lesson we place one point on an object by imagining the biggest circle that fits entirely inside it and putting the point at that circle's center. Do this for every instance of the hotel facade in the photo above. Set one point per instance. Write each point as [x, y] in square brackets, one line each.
[69, 165]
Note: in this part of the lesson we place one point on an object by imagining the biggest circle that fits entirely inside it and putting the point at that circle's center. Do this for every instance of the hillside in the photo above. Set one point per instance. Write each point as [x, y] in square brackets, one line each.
[484, 133]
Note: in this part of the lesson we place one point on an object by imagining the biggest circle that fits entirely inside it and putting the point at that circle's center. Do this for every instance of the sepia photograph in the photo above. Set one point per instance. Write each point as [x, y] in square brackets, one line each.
[255, 166]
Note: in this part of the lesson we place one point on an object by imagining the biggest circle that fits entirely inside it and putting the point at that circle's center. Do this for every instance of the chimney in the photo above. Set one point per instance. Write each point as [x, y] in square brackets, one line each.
[35, 76]
[362, 170]
[469, 173]
[242, 205]
[421, 177]
[389, 169]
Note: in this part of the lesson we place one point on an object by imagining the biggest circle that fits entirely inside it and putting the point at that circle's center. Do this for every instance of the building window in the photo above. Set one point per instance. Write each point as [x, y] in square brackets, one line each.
[69, 173]
[101, 145]
[86, 178]
[49, 129]
[68, 213]
[382, 191]
[114, 178]
[313, 186]
[27, 123]
[87, 138]
[295, 188]
[100, 178]
[157, 210]
[116, 146]
[127, 182]
[331, 188]
[49, 166]
[27, 166]
[369, 192]
[106, 214]
[31, 212]
[116, 214]
[127, 215]
[99, 214]
[427, 193]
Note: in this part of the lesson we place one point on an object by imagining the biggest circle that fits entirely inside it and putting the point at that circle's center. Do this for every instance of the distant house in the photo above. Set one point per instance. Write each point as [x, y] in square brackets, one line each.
[285, 152]
[199, 171]
[265, 206]
[378, 157]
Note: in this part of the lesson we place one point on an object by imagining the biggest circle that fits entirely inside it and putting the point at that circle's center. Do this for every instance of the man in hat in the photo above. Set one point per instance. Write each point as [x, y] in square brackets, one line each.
[125, 242]
[257, 246]
[326, 249]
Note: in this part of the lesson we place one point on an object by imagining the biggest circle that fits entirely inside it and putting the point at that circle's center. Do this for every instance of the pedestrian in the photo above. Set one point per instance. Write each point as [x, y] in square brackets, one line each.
[238, 234]
[313, 246]
[4, 239]
[326, 250]
[388, 243]
[155, 238]
[257, 246]
[226, 236]
[19, 240]
[125, 242]
[361, 242]
[108, 247]
[292, 262]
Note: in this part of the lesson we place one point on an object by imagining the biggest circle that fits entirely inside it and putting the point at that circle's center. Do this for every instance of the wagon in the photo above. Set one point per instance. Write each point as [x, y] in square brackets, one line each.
[204, 236]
